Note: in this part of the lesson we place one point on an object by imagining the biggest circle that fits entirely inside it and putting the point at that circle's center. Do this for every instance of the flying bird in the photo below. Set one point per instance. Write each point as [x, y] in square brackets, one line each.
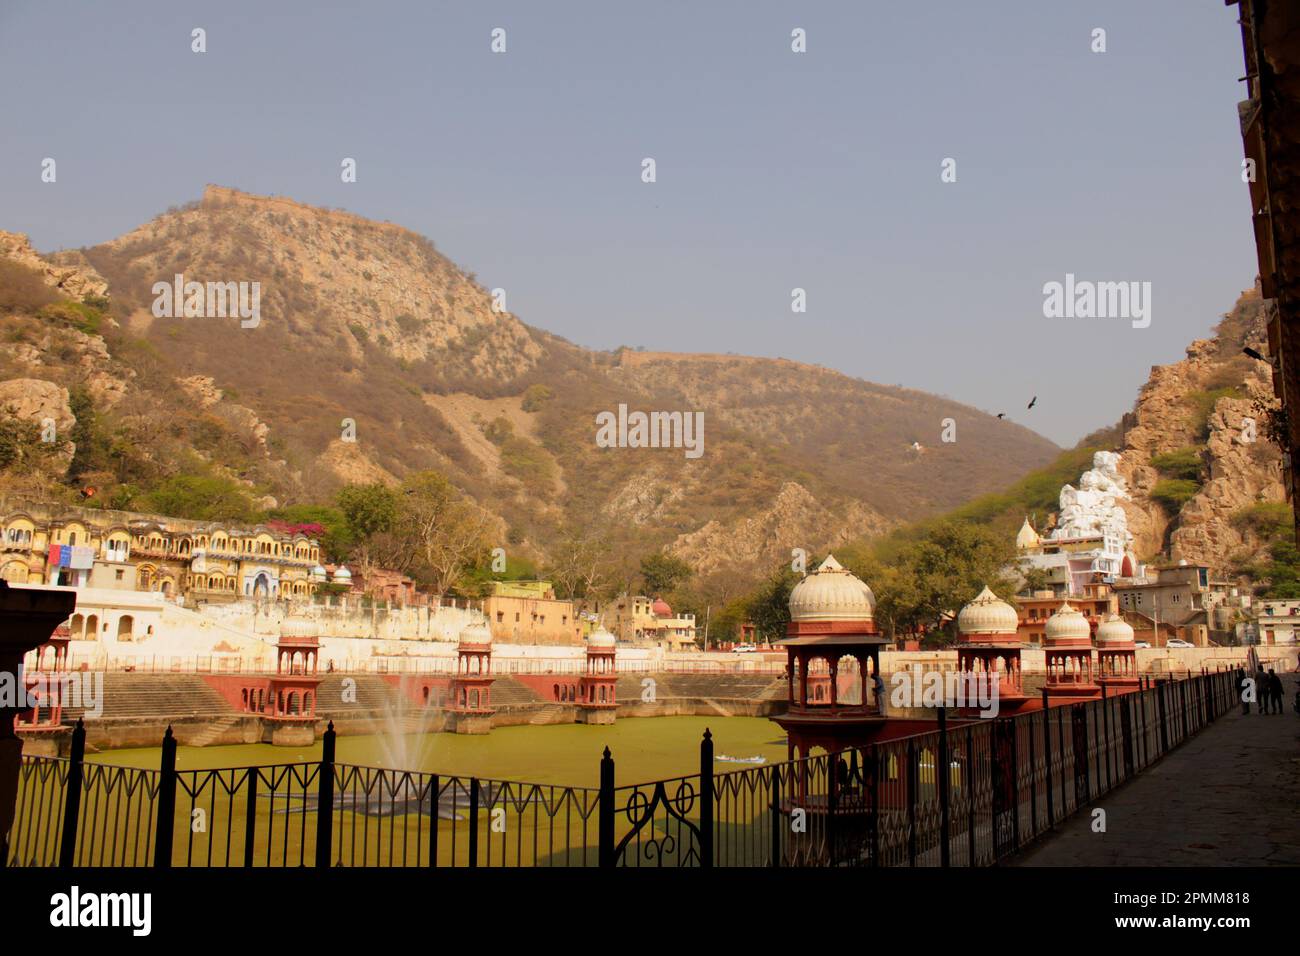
[1002, 414]
[1253, 354]
[1032, 402]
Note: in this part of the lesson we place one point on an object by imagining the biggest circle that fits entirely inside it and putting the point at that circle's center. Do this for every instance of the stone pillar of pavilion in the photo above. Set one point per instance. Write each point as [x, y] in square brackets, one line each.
[1067, 647]
[1117, 656]
[988, 653]
[293, 689]
[596, 703]
[470, 706]
[41, 726]
[28, 616]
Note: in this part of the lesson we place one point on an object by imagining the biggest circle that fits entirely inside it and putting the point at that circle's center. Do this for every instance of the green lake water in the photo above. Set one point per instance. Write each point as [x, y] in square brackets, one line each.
[644, 749]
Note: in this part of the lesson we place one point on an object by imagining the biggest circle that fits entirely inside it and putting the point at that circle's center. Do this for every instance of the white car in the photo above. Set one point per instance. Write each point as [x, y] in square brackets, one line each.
[1141, 644]
[744, 649]
[1175, 642]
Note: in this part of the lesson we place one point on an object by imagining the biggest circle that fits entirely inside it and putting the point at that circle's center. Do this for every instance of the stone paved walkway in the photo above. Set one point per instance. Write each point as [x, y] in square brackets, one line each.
[1230, 796]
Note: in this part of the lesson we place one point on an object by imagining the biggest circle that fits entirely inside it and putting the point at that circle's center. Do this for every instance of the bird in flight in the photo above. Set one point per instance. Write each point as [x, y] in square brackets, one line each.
[1253, 354]
[1002, 415]
[1032, 402]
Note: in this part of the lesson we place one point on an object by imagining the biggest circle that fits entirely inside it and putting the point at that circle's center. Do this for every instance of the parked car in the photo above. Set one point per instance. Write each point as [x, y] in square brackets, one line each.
[1146, 644]
[1175, 642]
[744, 649]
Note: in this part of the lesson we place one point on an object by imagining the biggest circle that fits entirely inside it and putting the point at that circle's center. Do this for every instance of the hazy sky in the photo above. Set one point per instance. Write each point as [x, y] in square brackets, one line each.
[775, 170]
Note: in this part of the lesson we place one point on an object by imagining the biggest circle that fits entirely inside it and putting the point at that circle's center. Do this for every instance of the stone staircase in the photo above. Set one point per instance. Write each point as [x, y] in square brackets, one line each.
[550, 714]
[713, 687]
[371, 694]
[506, 691]
[212, 731]
[127, 695]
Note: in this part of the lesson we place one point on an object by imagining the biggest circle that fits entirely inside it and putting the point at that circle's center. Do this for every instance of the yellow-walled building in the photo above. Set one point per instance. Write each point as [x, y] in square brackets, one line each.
[201, 561]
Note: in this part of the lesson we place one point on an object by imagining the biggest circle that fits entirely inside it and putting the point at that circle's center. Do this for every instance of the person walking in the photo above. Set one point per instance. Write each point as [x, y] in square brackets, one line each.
[1274, 691]
[1261, 689]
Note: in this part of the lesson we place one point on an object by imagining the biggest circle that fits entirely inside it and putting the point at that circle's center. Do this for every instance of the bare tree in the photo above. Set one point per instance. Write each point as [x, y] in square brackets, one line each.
[447, 533]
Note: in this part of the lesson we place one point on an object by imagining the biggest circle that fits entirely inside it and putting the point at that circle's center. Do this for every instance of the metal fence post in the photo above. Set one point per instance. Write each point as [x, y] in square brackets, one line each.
[875, 806]
[434, 785]
[1015, 783]
[706, 800]
[1105, 730]
[166, 827]
[776, 818]
[325, 801]
[1161, 694]
[605, 821]
[250, 817]
[968, 781]
[1047, 766]
[72, 797]
[913, 785]
[473, 821]
[941, 762]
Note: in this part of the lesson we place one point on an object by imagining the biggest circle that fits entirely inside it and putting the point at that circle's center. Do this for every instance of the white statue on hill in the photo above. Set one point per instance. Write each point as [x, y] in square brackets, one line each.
[1092, 508]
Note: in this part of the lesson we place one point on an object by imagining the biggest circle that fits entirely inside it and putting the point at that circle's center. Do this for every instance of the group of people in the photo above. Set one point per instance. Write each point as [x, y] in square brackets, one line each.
[1264, 688]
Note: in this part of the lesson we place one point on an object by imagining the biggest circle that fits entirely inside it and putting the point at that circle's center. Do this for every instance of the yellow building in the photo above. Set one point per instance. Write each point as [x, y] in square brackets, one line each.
[84, 547]
[528, 612]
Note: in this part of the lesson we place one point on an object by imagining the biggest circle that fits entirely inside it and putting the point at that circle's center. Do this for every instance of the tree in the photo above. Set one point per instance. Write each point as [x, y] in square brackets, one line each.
[446, 532]
[769, 607]
[580, 571]
[922, 584]
[661, 572]
[202, 498]
[367, 509]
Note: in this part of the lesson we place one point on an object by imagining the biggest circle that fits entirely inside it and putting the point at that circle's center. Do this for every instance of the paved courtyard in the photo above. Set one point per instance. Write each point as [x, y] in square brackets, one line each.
[1230, 796]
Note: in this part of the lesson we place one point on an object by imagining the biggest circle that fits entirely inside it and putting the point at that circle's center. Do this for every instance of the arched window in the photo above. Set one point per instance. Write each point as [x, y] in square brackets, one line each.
[125, 627]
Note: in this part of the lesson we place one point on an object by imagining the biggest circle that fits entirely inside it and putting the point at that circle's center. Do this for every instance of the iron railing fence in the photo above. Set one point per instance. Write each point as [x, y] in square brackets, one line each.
[970, 793]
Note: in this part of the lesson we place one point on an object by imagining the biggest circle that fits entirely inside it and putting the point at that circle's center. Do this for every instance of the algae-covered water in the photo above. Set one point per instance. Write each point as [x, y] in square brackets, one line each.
[644, 749]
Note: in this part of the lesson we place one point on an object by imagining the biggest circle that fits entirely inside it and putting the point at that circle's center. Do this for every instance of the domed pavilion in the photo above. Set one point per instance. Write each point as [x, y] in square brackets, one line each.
[988, 651]
[832, 627]
[1117, 656]
[1067, 647]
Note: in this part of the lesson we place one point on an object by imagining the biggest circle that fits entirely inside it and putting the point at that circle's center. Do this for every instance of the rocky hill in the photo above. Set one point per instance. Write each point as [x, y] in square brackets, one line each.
[368, 323]
[1195, 449]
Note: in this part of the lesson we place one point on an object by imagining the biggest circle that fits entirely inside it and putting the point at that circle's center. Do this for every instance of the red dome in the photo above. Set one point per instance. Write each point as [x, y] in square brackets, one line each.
[660, 608]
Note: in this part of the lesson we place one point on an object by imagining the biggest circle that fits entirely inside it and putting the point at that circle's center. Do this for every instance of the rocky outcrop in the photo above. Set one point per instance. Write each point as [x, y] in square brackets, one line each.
[1210, 401]
[795, 519]
[75, 278]
[44, 404]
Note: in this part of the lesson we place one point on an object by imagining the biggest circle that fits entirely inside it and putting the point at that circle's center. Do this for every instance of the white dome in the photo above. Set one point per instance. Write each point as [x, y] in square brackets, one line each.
[601, 638]
[299, 627]
[476, 633]
[1114, 630]
[318, 573]
[341, 573]
[1027, 536]
[1067, 625]
[988, 614]
[831, 593]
